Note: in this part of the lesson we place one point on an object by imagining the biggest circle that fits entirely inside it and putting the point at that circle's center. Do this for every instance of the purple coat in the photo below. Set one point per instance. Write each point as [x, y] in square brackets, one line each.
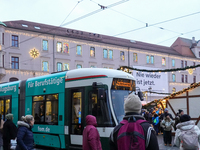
[91, 138]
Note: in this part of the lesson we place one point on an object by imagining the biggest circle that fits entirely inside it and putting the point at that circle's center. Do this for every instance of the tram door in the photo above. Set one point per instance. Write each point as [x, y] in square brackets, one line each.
[5, 106]
[76, 123]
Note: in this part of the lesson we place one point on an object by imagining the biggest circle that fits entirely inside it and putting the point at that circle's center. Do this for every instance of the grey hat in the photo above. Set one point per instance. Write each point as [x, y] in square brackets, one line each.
[166, 109]
[9, 116]
[132, 104]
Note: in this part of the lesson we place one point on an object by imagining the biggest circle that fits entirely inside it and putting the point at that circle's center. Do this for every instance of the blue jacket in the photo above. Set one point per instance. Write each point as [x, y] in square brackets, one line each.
[25, 139]
[157, 120]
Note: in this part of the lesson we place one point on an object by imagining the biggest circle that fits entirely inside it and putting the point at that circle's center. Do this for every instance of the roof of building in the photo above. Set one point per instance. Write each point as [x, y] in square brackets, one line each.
[1, 23]
[71, 33]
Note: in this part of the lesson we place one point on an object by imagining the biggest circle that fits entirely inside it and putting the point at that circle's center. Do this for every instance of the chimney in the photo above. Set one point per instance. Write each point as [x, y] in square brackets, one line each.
[193, 40]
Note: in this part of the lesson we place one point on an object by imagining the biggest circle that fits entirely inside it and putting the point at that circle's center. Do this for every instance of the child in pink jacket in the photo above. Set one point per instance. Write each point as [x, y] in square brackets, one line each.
[91, 138]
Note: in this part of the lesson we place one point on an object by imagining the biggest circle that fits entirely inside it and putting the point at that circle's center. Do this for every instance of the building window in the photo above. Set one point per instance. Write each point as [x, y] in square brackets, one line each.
[163, 61]
[66, 48]
[173, 78]
[15, 62]
[45, 66]
[3, 60]
[59, 66]
[2, 38]
[110, 54]
[173, 63]
[152, 59]
[182, 64]
[78, 66]
[78, 50]
[182, 78]
[194, 64]
[105, 53]
[147, 59]
[13, 79]
[199, 54]
[122, 57]
[15, 41]
[173, 90]
[65, 66]
[186, 79]
[194, 79]
[45, 109]
[45, 45]
[92, 66]
[92, 51]
[59, 47]
[185, 63]
[135, 58]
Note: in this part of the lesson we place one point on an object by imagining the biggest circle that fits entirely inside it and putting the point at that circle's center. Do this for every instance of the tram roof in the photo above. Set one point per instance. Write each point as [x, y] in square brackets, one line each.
[87, 72]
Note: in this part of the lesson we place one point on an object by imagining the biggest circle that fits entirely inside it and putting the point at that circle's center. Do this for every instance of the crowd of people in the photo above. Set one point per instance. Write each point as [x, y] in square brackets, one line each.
[22, 134]
[139, 129]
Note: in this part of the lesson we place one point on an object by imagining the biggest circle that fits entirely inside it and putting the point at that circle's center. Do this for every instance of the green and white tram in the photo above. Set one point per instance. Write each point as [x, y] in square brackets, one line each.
[60, 102]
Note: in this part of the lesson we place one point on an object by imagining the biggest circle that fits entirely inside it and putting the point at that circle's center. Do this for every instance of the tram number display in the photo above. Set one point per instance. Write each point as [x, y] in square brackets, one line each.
[123, 84]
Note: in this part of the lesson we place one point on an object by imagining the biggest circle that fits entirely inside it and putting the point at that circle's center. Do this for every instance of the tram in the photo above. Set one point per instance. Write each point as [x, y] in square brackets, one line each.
[60, 102]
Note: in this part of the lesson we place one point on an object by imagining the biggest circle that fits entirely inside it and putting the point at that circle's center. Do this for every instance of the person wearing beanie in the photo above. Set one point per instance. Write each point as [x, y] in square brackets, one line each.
[184, 125]
[9, 131]
[166, 111]
[177, 118]
[132, 108]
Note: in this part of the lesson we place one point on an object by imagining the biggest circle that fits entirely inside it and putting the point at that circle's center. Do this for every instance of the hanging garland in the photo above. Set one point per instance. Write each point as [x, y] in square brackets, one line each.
[157, 92]
[194, 85]
[126, 69]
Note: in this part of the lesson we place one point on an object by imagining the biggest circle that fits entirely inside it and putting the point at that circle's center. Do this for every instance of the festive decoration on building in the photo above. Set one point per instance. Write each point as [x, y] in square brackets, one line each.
[190, 71]
[126, 69]
[191, 87]
[24, 72]
[34, 53]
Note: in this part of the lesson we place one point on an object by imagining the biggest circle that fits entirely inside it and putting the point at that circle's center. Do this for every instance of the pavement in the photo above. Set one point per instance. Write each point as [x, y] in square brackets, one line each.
[163, 147]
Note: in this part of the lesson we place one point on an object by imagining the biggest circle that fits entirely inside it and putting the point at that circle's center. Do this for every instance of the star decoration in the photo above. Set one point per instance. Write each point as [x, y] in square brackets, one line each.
[34, 53]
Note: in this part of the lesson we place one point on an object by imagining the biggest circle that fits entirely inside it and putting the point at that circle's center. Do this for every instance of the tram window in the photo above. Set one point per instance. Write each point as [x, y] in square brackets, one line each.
[99, 109]
[5, 106]
[7, 109]
[45, 109]
[76, 112]
[2, 108]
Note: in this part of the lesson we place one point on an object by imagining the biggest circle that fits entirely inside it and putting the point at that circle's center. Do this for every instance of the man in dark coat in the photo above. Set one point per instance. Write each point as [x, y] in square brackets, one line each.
[9, 131]
[132, 107]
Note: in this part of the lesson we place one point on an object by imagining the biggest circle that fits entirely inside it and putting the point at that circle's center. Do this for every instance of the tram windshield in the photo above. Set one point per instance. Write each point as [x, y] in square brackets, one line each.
[120, 89]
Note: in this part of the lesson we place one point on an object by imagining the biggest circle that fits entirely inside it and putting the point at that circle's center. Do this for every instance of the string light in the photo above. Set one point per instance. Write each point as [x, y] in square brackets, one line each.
[23, 72]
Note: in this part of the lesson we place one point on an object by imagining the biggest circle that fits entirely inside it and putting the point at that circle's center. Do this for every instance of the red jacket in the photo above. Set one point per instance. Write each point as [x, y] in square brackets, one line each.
[91, 138]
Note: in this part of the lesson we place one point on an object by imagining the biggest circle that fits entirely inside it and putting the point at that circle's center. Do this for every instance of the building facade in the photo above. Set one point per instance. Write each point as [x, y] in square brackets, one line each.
[29, 49]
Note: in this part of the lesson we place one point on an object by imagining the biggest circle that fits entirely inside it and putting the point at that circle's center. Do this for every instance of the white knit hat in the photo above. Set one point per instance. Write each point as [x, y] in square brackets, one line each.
[132, 104]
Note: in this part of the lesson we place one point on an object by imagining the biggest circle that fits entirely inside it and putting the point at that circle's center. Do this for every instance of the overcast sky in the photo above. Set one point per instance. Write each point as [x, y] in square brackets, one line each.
[127, 16]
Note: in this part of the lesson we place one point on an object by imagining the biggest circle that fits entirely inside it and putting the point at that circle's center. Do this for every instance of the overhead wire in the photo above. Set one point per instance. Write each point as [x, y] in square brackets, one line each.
[77, 19]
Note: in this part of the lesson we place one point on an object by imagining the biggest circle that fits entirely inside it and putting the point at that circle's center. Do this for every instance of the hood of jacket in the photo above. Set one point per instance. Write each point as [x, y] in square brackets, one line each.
[185, 125]
[91, 120]
[22, 123]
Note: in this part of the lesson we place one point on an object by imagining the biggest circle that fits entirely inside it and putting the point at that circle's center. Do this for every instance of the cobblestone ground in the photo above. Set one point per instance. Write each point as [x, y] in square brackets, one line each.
[162, 146]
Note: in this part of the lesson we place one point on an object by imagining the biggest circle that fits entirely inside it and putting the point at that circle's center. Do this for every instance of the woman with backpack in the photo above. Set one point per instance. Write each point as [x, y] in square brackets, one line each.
[25, 135]
[187, 134]
[167, 124]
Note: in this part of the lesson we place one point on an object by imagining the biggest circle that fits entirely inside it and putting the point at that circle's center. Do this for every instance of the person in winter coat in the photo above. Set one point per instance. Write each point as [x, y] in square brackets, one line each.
[185, 125]
[132, 108]
[91, 138]
[167, 124]
[1, 132]
[9, 131]
[25, 139]
[177, 118]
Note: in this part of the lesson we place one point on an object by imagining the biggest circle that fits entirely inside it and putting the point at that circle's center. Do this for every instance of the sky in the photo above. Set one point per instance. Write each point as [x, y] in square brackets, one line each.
[138, 20]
